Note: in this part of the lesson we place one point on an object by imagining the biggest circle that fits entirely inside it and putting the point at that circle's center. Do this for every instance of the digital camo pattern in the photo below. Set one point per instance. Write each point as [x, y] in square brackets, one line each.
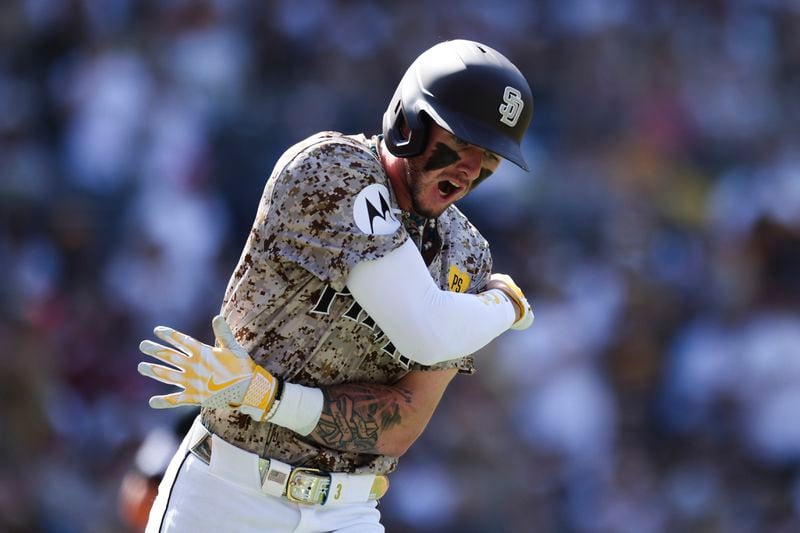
[287, 302]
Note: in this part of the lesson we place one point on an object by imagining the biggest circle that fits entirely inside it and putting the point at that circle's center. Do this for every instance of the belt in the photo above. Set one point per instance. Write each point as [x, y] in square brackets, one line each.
[307, 486]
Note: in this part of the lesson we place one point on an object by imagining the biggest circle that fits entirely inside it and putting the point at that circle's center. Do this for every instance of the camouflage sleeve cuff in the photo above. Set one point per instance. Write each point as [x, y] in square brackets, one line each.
[465, 365]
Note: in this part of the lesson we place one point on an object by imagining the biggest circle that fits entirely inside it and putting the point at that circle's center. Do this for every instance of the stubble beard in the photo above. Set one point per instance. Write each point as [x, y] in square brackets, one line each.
[414, 181]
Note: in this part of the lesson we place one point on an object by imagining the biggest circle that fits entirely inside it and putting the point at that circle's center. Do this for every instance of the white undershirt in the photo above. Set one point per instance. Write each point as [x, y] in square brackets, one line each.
[426, 324]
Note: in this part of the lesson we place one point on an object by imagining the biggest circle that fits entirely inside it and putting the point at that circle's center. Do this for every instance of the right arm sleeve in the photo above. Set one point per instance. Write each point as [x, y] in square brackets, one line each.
[426, 324]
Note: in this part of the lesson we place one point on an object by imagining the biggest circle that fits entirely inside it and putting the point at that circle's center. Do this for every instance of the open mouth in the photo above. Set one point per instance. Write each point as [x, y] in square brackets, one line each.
[448, 188]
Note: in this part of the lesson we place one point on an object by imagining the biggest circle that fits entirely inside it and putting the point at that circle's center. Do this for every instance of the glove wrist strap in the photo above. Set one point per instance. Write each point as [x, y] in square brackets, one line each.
[260, 394]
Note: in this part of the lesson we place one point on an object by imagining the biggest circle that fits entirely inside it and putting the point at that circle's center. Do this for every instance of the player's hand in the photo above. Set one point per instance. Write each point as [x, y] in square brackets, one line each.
[222, 377]
[504, 283]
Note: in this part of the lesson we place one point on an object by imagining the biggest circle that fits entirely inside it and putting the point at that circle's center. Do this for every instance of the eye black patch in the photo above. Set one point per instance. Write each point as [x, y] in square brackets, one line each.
[441, 157]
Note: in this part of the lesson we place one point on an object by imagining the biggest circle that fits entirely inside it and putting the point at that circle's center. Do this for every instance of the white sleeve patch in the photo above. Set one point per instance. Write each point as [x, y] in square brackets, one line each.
[372, 212]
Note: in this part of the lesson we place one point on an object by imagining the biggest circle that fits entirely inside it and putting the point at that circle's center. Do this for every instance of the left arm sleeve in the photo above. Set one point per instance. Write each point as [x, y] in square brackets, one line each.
[425, 323]
[466, 267]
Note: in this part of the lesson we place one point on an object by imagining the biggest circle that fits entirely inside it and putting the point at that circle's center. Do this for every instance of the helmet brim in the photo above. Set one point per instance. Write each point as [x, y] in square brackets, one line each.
[476, 132]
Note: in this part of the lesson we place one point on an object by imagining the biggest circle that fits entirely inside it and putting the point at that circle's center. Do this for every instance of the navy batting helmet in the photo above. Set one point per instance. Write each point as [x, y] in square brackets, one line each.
[467, 88]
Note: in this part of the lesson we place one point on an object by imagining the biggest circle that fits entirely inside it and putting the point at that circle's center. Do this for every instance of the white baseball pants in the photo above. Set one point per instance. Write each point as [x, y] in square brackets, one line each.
[193, 499]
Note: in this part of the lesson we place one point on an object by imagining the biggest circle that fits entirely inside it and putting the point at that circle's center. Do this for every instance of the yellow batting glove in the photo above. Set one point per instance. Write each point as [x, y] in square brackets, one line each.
[222, 376]
[504, 283]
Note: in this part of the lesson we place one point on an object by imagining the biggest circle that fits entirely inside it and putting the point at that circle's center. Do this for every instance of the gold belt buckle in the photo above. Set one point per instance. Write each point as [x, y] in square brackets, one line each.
[307, 486]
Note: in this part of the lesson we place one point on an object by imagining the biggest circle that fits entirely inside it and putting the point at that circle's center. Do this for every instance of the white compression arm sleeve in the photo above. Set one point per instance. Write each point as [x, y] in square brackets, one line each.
[426, 324]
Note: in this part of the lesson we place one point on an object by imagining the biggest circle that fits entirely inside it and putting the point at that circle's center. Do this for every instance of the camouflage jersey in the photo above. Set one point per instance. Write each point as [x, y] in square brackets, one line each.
[327, 206]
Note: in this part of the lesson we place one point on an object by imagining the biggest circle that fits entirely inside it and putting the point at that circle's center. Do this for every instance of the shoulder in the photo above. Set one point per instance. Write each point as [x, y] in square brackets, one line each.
[333, 178]
[465, 252]
[331, 157]
[460, 231]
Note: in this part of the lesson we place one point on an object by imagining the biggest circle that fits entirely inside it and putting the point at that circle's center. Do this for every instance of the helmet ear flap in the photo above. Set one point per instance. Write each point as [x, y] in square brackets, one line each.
[405, 134]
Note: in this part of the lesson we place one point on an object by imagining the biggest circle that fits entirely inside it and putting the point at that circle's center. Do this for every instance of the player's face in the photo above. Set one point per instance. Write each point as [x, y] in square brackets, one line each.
[446, 171]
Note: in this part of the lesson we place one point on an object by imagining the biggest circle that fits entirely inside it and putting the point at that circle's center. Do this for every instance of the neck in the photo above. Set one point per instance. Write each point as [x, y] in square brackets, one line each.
[395, 168]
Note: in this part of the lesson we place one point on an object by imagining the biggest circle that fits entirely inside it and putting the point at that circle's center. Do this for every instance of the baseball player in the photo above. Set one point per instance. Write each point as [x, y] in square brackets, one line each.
[360, 293]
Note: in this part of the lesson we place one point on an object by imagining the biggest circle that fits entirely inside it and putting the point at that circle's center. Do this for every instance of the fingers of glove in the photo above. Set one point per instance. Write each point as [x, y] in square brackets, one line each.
[181, 341]
[227, 339]
[162, 374]
[176, 399]
[506, 279]
[223, 333]
[163, 353]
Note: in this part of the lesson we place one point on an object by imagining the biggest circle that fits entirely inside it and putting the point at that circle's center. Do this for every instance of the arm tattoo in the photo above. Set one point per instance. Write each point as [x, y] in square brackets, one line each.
[353, 416]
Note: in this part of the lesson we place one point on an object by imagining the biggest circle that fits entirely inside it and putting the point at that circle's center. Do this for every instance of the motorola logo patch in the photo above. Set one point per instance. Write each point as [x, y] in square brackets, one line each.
[372, 212]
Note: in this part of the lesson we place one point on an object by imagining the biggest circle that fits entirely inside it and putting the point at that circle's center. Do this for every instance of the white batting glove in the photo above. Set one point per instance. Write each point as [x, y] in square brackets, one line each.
[221, 377]
[504, 283]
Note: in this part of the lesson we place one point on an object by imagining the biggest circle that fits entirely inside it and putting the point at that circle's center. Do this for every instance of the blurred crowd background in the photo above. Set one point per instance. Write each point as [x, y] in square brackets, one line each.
[657, 236]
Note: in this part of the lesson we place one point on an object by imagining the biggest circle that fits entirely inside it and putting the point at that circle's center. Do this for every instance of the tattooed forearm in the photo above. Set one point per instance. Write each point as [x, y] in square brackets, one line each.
[355, 416]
